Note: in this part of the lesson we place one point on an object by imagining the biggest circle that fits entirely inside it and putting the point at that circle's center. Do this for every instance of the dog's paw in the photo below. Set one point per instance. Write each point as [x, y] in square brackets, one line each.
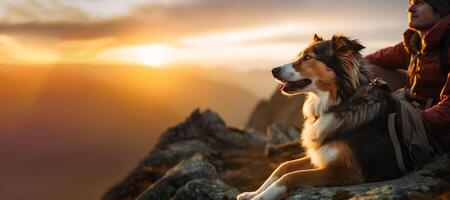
[246, 195]
[271, 193]
[257, 197]
[260, 197]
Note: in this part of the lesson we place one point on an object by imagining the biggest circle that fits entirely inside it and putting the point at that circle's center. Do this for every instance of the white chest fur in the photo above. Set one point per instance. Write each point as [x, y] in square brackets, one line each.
[315, 130]
[313, 133]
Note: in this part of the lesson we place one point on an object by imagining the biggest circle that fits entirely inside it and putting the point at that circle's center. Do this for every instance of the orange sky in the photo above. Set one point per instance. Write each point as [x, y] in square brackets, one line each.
[240, 34]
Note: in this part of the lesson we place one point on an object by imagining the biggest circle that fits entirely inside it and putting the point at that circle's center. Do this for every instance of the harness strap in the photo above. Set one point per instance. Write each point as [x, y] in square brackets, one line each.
[395, 142]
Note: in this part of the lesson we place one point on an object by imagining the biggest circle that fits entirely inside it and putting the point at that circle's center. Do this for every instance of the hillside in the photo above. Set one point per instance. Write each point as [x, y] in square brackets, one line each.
[86, 125]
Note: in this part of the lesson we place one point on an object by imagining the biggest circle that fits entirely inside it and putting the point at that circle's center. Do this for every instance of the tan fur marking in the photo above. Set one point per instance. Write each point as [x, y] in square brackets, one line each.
[326, 78]
[327, 83]
[293, 165]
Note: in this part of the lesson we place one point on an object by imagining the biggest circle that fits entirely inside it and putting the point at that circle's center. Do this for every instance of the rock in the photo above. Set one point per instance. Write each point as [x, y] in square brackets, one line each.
[208, 189]
[155, 165]
[248, 138]
[282, 134]
[174, 153]
[207, 126]
[420, 184]
[175, 178]
[283, 144]
[204, 134]
[278, 109]
[284, 152]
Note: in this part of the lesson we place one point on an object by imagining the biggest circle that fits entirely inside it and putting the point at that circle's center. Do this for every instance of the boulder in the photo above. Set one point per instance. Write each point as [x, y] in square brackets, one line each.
[175, 178]
[282, 134]
[206, 189]
[279, 108]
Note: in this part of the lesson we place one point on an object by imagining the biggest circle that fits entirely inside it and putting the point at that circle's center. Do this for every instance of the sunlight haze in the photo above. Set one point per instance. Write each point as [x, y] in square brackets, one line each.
[242, 35]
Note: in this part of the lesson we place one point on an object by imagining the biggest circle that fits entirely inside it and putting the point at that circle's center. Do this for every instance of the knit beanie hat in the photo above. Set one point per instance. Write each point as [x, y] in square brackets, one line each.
[442, 6]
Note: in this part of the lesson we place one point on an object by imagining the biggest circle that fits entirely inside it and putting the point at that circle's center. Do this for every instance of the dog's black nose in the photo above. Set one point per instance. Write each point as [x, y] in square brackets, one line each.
[276, 70]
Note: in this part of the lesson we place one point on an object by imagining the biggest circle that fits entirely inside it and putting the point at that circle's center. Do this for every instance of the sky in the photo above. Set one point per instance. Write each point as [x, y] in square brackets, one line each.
[250, 34]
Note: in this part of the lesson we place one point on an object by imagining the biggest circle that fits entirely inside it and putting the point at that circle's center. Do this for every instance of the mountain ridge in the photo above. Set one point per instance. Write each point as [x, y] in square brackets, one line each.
[91, 122]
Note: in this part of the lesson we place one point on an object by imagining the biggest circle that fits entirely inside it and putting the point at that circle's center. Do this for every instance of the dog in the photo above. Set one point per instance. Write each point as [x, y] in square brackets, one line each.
[345, 132]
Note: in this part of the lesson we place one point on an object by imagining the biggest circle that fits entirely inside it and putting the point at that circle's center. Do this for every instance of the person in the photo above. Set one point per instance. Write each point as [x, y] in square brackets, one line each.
[419, 54]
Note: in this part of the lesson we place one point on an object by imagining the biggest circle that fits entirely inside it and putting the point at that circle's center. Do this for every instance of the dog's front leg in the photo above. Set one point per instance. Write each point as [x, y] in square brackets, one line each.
[284, 168]
[310, 177]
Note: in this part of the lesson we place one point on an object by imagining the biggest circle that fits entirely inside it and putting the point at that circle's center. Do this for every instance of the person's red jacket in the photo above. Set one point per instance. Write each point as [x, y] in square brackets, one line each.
[431, 82]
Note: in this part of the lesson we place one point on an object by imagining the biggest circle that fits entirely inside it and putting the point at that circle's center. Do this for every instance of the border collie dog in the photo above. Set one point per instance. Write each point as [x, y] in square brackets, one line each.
[345, 133]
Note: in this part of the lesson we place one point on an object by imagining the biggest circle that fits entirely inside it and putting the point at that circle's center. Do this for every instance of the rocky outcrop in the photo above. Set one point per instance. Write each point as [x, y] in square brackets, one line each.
[195, 168]
[280, 134]
[201, 189]
[202, 158]
[431, 182]
[282, 109]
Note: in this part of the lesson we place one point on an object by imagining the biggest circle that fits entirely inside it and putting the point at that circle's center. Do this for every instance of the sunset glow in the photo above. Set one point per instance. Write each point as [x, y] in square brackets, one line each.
[150, 55]
[15, 51]
[90, 85]
[252, 34]
[161, 32]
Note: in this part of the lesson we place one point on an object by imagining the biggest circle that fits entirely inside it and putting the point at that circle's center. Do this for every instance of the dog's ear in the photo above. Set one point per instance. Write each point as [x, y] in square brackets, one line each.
[317, 38]
[343, 44]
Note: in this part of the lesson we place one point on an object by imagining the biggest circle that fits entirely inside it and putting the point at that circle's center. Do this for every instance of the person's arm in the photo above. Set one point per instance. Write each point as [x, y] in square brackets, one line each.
[437, 117]
[393, 58]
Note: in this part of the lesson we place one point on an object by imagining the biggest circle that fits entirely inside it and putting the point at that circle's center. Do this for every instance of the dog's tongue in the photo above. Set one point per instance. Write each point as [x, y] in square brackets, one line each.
[283, 85]
[296, 85]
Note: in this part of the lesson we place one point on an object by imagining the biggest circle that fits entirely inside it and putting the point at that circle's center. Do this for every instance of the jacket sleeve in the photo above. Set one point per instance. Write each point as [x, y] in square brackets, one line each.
[395, 57]
[437, 117]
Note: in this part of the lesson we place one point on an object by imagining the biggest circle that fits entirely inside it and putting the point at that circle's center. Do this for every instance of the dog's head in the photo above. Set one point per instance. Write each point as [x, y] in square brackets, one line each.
[333, 66]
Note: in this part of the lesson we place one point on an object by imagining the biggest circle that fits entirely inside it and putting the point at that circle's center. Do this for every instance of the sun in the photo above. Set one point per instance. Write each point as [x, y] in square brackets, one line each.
[149, 55]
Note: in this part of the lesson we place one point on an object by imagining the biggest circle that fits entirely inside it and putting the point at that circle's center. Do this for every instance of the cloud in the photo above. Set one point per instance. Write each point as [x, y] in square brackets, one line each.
[16, 51]
[165, 21]
[86, 27]
[82, 50]
[41, 12]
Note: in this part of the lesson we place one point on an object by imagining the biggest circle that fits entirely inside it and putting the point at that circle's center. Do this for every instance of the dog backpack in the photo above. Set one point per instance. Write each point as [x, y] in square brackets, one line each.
[406, 127]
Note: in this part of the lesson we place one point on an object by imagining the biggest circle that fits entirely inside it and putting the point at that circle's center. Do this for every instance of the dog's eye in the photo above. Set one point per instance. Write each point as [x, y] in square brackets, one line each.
[306, 57]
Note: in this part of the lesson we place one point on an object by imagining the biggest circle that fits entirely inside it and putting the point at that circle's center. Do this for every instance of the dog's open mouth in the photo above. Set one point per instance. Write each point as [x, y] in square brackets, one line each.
[294, 86]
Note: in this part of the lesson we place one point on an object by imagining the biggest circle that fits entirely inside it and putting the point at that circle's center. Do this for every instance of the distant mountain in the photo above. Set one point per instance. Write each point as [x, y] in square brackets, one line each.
[273, 106]
[282, 109]
[258, 82]
[71, 128]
